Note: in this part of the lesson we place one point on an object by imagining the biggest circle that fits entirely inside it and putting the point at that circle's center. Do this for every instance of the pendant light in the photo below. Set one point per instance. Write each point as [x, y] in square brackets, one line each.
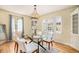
[35, 15]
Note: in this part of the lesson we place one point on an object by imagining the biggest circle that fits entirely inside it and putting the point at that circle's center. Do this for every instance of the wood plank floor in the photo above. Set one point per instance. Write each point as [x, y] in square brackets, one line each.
[7, 47]
[64, 48]
[61, 47]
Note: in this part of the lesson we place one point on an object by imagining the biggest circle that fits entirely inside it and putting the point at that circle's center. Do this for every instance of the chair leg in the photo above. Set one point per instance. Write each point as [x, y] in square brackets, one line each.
[49, 46]
[51, 43]
[42, 42]
[22, 51]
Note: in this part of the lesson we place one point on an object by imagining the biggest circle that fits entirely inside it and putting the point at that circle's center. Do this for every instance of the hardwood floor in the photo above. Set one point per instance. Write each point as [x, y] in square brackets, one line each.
[64, 48]
[8, 48]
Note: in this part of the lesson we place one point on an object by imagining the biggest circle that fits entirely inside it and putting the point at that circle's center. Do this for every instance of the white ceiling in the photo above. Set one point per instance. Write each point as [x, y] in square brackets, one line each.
[28, 9]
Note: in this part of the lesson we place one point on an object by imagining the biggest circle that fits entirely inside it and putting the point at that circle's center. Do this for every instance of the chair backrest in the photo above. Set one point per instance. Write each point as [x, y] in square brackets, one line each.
[48, 36]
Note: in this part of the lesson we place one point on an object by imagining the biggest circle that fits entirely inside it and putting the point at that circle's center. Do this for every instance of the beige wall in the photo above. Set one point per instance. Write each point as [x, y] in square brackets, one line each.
[27, 25]
[65, 37]
[4, 19]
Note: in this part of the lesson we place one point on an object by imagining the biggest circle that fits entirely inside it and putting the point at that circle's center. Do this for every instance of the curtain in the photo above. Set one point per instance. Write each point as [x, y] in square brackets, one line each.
[10, 28]
[22, 27]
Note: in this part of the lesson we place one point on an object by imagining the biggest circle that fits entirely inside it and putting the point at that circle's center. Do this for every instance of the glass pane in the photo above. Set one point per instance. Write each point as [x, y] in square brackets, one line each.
[75, 23]
[19, 25]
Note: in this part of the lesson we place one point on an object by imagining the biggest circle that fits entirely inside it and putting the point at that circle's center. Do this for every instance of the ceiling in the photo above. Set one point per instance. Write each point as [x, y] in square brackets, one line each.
[28, 9]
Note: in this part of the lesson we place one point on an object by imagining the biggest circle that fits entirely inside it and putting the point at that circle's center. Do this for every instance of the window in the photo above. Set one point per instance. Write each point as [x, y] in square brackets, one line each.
[20, 27]
[16, 27]
[75, 21]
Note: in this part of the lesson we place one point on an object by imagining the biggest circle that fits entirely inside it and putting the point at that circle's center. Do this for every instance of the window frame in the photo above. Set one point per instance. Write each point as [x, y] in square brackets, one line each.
[76, 11]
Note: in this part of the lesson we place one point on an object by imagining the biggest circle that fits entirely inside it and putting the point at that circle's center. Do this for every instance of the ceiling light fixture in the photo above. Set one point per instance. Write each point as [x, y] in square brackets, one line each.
[35, 15]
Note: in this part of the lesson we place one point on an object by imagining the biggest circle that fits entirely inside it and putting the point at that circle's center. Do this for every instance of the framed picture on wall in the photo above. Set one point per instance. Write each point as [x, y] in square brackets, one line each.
[58, 24]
